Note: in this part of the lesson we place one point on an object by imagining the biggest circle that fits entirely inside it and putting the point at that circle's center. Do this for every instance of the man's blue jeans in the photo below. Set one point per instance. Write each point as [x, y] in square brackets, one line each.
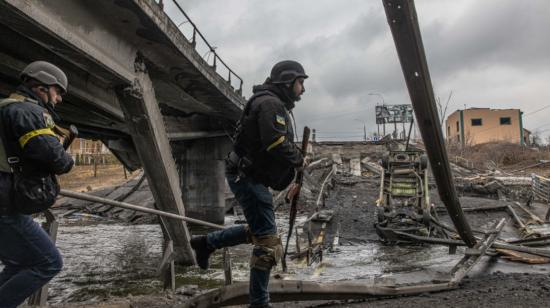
[257, 204]
[29, 257]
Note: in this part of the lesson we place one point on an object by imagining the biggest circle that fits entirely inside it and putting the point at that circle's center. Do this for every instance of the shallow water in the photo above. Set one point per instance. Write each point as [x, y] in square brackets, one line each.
[102, 260]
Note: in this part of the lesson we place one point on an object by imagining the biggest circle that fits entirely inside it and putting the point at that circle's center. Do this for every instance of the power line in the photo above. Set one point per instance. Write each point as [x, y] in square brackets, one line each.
[540, 126]
[532, 112]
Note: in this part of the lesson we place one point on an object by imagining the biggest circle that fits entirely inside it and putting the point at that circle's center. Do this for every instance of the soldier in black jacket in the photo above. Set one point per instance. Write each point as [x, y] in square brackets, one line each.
[30, 156]
[264, 155]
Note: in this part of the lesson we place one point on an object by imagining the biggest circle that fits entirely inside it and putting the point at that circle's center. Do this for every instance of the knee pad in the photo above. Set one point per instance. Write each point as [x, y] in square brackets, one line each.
[268, 250]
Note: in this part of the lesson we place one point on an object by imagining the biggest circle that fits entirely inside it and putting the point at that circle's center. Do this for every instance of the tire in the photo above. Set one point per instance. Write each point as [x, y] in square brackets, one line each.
[423, 161]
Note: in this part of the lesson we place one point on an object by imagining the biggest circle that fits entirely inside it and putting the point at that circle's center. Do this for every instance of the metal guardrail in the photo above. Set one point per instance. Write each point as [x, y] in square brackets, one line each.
[540, 191]
[211, 49]
[463, 161]
[540, 187]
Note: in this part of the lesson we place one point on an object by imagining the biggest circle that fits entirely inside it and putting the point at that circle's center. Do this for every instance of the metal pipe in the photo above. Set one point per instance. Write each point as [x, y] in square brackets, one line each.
[403, 21]
[87, 197]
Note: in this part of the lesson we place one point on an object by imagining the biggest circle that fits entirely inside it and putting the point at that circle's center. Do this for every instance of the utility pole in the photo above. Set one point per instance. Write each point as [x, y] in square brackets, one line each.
[364, 132]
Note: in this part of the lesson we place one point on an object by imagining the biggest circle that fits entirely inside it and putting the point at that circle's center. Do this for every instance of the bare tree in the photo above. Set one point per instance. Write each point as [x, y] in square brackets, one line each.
[535, 139]
[443, 109]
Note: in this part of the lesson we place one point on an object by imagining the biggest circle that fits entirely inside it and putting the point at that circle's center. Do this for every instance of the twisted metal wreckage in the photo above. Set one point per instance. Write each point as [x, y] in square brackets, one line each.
[403, 179]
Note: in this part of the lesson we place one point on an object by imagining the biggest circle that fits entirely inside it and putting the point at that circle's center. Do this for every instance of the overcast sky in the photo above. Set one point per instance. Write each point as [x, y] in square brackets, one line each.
[490, 53]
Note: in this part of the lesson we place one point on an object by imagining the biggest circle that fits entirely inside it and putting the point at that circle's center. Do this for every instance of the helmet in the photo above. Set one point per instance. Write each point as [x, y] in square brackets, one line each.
[46, 73]
[286, 72]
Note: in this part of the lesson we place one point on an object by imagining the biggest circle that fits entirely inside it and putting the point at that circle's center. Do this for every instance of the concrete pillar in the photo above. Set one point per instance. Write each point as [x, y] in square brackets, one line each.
[202, 176]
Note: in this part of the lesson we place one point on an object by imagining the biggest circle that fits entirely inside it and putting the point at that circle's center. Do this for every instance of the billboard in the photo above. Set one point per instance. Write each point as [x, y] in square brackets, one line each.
[394, 114]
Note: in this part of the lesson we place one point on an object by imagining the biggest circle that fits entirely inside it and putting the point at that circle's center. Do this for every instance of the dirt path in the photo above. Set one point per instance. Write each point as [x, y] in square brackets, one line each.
[81, 178]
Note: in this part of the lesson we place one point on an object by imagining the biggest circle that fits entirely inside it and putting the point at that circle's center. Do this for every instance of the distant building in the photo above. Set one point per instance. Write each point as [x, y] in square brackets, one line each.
[481, 125]
[85, 146]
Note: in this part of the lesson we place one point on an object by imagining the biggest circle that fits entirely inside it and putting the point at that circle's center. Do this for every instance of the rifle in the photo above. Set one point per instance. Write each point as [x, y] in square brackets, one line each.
[294, 197]
[68, 134]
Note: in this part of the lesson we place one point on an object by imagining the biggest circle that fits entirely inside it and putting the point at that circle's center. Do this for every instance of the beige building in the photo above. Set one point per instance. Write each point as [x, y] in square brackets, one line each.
[481, 125]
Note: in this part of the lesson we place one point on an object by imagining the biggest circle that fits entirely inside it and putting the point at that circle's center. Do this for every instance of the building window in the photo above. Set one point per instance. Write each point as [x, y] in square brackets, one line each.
[505, 121]
[476, 122]
[448, 131]
[457, 127]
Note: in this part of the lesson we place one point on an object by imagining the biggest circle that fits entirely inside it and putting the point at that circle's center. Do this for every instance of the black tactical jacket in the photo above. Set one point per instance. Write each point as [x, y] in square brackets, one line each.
[27, 134]
[266, 137]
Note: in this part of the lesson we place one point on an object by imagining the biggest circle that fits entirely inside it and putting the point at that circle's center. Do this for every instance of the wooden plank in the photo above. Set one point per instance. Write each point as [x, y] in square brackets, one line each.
[523, 257]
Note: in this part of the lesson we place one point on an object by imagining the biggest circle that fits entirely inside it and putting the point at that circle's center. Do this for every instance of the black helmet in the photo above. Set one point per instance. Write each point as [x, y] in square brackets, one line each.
[286, 72]
[45, 73]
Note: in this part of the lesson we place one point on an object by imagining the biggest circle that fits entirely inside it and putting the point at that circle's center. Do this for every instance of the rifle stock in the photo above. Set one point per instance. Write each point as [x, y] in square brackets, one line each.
[294, 199]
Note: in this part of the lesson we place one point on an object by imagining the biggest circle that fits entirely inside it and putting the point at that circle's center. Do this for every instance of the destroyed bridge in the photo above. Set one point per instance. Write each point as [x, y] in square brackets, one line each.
[138, 84]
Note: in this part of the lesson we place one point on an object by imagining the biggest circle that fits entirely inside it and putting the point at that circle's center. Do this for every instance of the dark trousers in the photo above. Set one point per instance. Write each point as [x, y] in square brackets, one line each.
[29, 257]
[257, 204]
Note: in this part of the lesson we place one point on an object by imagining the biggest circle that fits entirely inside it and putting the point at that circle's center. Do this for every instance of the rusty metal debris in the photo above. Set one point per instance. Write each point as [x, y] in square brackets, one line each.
[311, 235]
[404, 202]
[125, 205]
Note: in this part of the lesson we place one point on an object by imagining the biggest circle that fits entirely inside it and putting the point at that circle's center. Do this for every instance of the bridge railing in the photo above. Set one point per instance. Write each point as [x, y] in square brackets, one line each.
[209, 54]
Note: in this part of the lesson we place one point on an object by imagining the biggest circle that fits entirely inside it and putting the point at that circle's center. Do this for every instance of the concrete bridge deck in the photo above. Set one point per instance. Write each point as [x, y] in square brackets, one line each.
[139, 85]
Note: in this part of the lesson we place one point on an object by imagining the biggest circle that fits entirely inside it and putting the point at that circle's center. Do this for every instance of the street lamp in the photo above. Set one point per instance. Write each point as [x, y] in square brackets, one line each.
[379, 94]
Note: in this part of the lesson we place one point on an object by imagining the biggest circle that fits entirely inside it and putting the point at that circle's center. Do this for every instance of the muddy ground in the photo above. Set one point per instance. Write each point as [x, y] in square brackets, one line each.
[494, 290]
[99, 272]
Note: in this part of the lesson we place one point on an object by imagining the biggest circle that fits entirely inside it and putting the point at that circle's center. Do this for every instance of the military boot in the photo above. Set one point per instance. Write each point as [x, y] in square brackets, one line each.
[202, 251]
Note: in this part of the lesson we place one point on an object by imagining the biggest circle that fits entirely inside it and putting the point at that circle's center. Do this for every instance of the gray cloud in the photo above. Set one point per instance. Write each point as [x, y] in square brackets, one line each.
[492, 53]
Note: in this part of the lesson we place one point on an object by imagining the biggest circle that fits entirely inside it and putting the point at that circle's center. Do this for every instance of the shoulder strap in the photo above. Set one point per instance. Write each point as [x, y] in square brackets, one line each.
[253, 98]
[247, 109]
[7, 159]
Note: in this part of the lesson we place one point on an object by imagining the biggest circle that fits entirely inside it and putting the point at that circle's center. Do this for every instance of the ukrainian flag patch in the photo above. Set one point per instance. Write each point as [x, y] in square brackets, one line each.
[279, 119]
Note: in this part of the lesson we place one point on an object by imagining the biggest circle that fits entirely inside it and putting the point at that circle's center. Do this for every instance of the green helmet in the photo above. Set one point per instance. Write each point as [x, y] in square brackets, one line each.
[46, 73]
[286, 72]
